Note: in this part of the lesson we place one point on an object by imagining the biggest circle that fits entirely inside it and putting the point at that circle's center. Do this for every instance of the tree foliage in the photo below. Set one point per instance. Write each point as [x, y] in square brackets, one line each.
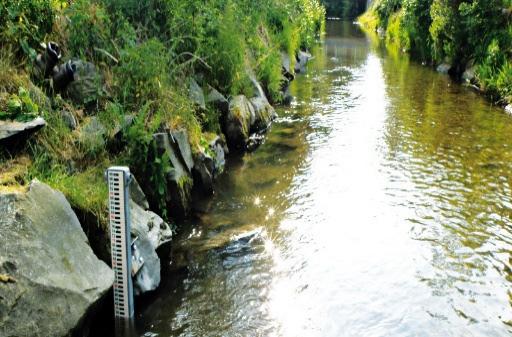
[460, 32]
[345, 8]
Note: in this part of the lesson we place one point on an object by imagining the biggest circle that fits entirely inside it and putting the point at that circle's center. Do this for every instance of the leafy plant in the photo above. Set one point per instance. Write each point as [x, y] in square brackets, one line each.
[20, 107]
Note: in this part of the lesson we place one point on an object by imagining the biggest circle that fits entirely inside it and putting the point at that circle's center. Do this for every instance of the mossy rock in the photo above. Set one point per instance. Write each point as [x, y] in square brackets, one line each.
[236, 125]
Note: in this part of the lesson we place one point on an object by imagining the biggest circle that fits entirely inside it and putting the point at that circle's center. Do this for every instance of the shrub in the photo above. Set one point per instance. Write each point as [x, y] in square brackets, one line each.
[24, 24]
[141, 74]
[89, 28]
[227, 55]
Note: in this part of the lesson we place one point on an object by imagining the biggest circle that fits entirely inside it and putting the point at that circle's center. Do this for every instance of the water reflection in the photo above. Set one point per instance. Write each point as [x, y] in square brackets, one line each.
[378, 206]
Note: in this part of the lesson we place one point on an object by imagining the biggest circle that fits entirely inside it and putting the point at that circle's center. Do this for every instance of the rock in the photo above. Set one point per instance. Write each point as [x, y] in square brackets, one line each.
[237, 122]
[92, 133]
[508, 109]
[178, 182]
[469, 75]
[12, 130]
[219, 149]
[69, 119]
[444, 68]
[217, 100]
[286, 67]
[196, 94]
[137, 195]
[287, 97]
[264, 113]
[203, 173]
[180, 138]
[302, 60]
[86, 86]
[57, 278]
[151, 232]
[120, 128]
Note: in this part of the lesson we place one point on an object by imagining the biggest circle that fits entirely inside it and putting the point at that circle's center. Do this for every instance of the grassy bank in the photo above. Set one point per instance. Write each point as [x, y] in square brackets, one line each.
[144, 52]
[467, 35]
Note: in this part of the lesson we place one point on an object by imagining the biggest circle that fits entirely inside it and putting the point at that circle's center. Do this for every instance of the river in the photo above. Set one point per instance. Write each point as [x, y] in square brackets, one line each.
[379, 205]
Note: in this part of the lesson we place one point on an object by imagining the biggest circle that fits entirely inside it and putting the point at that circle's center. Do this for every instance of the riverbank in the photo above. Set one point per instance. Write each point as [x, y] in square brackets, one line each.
[164, 87]
[471, 41]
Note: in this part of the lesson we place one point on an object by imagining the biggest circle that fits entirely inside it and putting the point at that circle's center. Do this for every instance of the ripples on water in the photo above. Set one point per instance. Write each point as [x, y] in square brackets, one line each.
[379, 206]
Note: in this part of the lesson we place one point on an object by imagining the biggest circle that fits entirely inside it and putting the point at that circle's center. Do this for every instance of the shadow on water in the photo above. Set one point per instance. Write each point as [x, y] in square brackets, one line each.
[379, 205]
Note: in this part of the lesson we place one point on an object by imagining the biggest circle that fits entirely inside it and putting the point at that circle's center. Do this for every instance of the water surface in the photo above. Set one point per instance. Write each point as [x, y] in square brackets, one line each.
[379, 205]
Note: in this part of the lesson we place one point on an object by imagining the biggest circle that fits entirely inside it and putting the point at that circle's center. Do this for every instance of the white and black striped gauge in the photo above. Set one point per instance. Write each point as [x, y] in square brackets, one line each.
[119, 214]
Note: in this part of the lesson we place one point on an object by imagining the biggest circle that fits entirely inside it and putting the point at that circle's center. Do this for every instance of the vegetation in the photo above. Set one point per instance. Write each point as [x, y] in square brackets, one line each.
[144, 52]
[345, 8]
[463, 33]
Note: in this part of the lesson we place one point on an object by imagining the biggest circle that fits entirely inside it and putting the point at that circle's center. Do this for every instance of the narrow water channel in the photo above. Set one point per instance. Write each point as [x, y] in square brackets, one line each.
[379, 205]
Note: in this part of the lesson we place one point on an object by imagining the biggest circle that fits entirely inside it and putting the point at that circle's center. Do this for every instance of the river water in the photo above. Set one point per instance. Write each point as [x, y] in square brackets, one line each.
[379, 205]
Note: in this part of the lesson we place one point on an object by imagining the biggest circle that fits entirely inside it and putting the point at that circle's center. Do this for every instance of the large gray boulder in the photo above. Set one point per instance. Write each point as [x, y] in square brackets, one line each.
[50, 277]
[236, 124]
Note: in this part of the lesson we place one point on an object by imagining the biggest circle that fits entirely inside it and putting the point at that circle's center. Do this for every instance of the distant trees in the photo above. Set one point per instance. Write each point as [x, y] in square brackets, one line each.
[345, 8]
